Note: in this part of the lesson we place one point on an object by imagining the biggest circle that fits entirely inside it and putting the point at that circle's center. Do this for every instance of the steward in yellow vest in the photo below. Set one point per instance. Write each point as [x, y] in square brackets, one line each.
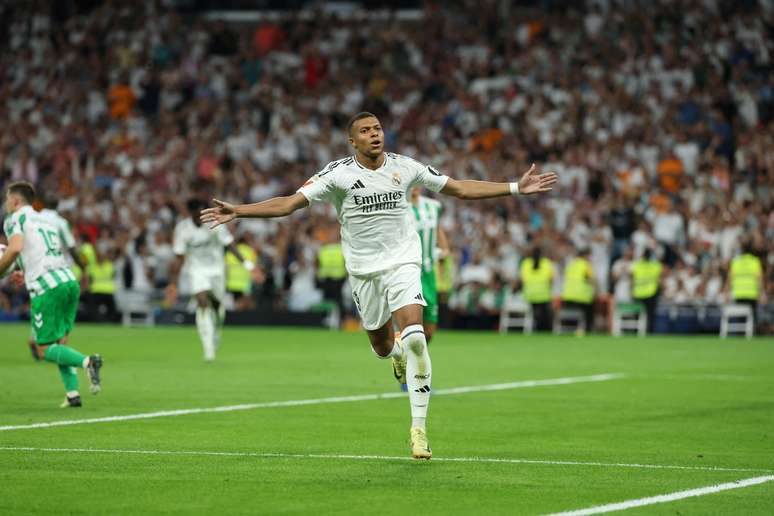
[238, 277]
[102, 285]
[646, 280]
[537, 278]
[331, 271]
[330, 262]
[578, 286]
[746, 280]
[746, 275]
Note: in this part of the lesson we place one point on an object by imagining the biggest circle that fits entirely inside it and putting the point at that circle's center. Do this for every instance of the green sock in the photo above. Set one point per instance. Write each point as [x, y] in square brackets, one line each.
[64, 356]
[69, 378]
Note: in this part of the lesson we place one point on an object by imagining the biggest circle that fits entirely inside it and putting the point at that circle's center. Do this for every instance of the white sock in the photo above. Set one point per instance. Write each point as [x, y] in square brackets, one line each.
[205, 323]
[220, 319]
[72, 394]
[419, 370]
[396, 352]
[85, 363]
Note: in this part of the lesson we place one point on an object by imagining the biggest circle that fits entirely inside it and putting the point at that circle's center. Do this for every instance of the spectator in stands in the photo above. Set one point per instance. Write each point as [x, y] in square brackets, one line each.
[157, 103]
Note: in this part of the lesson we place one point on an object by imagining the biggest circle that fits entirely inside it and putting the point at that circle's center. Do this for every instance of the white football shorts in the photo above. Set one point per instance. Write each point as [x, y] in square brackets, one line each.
[208, 281]
[378, 295]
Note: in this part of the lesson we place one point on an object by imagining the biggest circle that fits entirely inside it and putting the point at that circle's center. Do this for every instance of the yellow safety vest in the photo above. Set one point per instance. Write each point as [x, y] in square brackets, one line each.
[330, 262]
[745, 277]
[645, 275]
[577, 285]
[88, 253]
[444, 274]
[102, 277]
[537, 282]
[237, 277]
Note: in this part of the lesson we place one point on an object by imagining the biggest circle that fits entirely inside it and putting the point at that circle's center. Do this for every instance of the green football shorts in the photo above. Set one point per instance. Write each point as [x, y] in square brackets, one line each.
[52, 313]
[430, 293]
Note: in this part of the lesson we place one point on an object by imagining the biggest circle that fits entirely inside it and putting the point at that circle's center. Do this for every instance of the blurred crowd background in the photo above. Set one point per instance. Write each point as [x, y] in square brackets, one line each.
[657, 116]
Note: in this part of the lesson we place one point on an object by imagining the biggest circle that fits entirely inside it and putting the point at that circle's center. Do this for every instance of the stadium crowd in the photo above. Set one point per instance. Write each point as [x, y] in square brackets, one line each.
[657, 117]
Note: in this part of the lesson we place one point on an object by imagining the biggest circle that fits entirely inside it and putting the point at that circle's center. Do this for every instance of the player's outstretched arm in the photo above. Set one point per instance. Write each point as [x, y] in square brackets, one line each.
[530, 183]
[224, 212]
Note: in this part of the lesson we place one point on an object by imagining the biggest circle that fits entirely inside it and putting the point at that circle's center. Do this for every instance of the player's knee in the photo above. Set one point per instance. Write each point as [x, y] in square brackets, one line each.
[202, 300]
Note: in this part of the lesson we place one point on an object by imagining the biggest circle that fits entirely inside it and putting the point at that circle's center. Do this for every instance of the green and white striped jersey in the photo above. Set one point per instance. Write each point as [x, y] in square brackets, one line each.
[42, 257]
[427, 214]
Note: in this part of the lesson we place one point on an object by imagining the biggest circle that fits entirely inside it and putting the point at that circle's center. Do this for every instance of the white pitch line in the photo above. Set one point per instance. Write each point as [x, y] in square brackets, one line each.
[651, 500]
[275, 455]
[319, 401]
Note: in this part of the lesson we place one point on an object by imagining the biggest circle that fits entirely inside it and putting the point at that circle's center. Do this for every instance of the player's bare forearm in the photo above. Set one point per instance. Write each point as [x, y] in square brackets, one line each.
[530, 183]
[174, 270]
[223, 212]
[443, 242]
[469, 189]
[7, 260]
[274, 207]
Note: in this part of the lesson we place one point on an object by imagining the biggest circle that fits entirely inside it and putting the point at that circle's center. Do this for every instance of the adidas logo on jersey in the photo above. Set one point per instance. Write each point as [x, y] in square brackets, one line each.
[358, 184]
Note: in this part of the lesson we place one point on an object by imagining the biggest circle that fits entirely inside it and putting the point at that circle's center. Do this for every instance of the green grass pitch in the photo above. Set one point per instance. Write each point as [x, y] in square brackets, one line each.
[697, 402]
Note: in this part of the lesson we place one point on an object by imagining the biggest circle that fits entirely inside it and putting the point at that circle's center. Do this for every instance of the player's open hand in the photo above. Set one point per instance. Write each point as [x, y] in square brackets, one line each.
[532, 182]
[221, 213]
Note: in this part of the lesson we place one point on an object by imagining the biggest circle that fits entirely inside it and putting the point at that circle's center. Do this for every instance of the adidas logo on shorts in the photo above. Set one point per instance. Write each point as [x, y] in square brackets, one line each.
[358, 184]
[419, 297]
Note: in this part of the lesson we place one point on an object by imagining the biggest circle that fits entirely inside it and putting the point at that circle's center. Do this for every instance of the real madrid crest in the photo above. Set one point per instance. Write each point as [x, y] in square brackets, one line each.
[396, 178]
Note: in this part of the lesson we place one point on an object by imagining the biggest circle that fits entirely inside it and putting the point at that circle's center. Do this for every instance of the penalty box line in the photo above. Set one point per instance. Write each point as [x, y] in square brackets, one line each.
[319, 401]
[335, 456]
[671, 497]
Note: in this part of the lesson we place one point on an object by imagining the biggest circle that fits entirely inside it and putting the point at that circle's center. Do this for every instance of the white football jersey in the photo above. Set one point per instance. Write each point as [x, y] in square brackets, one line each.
[42, 251]
[202, 247]
[377, 223]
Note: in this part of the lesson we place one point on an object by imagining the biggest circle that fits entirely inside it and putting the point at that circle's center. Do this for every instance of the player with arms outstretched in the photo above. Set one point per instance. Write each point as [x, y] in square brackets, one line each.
[381, 245]
[204, 251]
[34, 242]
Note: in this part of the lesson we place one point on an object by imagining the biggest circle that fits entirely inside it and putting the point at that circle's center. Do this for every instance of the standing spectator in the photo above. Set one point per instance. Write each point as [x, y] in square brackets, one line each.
[331, 272]
[537, 275]
[578, 287]
[746, 279]
[646, 280]
[669, 231]
[623, 222]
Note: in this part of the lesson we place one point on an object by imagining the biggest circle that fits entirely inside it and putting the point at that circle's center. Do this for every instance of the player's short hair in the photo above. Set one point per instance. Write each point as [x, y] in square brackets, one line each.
[359, 116]
[23, 189]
